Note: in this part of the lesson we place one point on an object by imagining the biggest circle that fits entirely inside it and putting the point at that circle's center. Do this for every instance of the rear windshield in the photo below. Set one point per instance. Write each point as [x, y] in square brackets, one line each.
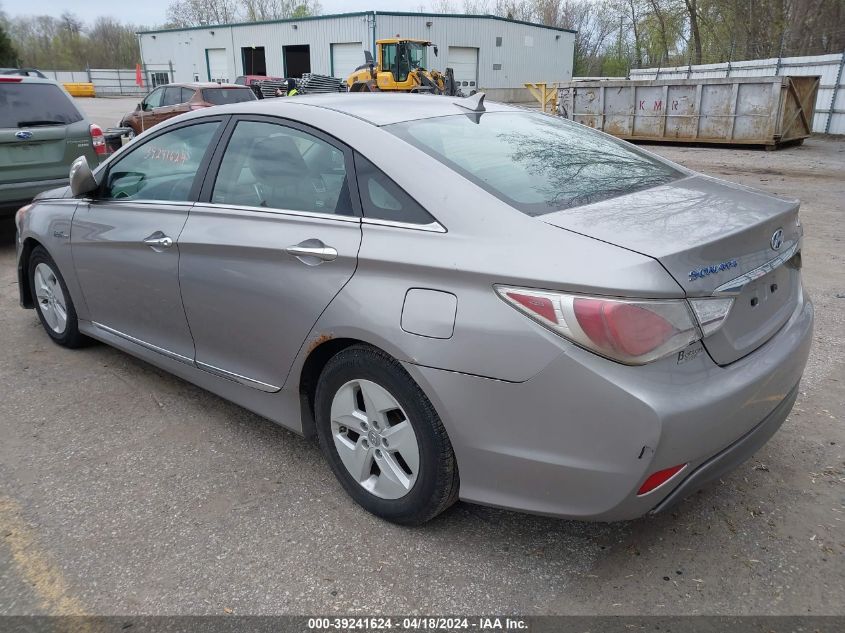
[221, 96]
[31, 104]
[535, 162]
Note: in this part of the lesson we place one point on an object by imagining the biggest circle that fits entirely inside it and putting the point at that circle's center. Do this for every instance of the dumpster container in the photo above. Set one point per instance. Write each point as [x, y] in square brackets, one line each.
[747, 110]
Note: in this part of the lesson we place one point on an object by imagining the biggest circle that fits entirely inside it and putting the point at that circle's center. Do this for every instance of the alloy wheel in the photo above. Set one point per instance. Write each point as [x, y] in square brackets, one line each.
[375, 439]
[51, 298]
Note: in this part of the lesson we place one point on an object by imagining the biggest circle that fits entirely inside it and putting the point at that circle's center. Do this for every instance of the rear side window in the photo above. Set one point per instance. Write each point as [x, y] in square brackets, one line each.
[187, 93]
[536, 163]
[383, 199]
[32, 104]
[274, 166]
[172, 96]
[221, 96]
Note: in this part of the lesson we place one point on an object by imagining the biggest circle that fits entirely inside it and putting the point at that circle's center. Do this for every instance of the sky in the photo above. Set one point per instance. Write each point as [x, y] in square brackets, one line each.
[153, 12]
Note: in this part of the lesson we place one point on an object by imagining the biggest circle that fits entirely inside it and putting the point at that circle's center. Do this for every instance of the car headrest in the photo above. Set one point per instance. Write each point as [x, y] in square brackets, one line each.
[276, 156]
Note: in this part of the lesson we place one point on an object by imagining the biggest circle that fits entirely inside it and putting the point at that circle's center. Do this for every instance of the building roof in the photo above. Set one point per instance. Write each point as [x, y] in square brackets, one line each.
[485, 16]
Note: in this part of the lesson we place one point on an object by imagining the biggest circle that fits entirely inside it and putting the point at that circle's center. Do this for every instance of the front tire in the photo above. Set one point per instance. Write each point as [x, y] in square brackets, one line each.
[52, 301]
[383, 439]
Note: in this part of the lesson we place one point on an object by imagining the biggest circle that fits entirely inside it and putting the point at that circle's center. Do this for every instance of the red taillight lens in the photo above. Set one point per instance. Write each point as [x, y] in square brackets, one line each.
[623, 328]
[10, 80]
[98, 140]
[655, 480]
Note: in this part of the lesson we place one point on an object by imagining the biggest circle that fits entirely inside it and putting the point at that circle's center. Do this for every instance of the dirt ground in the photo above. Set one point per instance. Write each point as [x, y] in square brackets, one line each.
[124, 490]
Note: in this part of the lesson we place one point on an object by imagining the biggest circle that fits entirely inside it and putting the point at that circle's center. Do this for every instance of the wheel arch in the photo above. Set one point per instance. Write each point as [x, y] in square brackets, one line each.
[319, 352]
[316, 360]
[29, 245]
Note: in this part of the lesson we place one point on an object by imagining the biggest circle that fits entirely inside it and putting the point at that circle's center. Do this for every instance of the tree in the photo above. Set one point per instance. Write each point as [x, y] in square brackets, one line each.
[8, 52]
[182, 13]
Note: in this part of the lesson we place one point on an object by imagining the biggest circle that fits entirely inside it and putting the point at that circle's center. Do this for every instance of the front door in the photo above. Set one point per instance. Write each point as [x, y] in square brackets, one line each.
[125, 241]
[275, 241]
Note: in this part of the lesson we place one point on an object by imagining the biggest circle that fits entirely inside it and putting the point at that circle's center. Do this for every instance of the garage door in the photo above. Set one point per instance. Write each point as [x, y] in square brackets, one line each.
[218, 69]
[464, 61]
[346, 57]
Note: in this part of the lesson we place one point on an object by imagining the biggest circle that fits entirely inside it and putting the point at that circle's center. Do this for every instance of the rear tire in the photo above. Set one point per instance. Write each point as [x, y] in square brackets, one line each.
[52, 301]
[397, 460]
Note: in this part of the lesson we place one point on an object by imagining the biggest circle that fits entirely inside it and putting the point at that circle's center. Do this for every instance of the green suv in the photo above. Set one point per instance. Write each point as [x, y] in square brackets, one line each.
[41, 133]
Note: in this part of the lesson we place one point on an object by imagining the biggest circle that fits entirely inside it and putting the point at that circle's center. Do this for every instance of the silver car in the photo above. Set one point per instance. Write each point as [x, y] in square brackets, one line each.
[456, 299]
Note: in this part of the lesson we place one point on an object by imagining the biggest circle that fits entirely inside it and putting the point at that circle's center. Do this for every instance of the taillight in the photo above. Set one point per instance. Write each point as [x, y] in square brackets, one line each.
[10, 80]
[655, 480]
[98, 140]
[631, 331]
[711, 313]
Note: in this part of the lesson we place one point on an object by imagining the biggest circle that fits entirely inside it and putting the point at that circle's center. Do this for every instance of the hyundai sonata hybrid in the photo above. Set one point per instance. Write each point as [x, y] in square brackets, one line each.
[455, 299]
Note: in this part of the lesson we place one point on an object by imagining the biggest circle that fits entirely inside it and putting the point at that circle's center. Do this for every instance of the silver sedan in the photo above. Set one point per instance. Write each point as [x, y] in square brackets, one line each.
[456, 299]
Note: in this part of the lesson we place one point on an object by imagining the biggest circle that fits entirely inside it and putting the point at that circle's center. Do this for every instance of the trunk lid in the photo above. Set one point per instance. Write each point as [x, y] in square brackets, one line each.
[707, 234]
[41, 132]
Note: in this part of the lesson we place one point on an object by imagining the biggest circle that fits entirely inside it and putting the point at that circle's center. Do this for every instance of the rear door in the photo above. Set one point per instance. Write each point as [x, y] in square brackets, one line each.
[41, 131]
[170, 104]
[272, 241]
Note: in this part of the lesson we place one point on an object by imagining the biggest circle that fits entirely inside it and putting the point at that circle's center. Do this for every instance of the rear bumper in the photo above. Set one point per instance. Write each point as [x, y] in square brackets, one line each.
[578, 439]
[14, 195]
[734, 455]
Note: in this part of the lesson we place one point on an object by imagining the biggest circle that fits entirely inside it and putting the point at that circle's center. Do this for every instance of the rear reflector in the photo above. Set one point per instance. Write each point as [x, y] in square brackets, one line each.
[541, 306]
[98, 140]
[655, 480]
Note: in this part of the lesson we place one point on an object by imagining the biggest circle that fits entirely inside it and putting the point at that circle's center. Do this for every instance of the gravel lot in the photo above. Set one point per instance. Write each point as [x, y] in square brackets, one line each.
[124, 490]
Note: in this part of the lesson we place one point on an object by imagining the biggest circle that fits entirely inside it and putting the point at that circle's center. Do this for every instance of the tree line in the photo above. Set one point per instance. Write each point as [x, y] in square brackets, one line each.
[66, 43]
[617, 35]
[612, 37]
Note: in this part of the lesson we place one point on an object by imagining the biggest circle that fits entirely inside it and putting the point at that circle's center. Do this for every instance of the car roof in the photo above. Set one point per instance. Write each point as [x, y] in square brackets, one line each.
[376, 108]
[28, 79]
[201, 84]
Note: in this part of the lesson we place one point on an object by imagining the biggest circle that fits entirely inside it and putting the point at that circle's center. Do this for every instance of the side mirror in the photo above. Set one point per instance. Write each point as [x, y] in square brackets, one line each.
[435, 51]
[81, 179]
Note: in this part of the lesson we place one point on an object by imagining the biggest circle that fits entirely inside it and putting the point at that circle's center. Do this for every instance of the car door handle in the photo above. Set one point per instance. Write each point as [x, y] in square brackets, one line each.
[158, 240]
[312, 252]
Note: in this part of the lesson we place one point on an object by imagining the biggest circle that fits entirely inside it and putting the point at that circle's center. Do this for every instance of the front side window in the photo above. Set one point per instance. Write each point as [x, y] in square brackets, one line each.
[163, 168]
[33, 104]
[536, 163]
[416, 54]
[153, 99]
[273, 166]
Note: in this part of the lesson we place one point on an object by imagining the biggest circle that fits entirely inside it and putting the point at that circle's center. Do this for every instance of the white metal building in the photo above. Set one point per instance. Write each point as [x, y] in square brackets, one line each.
[489, 53]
